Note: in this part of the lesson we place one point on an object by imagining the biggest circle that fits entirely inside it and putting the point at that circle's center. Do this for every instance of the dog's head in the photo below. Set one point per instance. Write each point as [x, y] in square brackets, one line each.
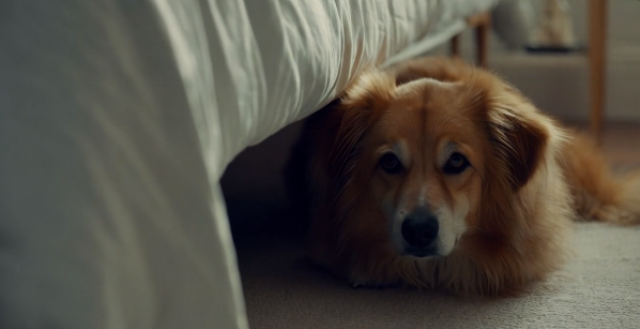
[420, 166]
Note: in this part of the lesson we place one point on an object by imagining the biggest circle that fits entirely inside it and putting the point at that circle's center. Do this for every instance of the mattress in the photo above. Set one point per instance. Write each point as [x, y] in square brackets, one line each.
[118, 119]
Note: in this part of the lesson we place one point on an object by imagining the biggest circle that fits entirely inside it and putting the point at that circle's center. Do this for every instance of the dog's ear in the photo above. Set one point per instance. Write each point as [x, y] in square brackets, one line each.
[518, 140]
[356, 112]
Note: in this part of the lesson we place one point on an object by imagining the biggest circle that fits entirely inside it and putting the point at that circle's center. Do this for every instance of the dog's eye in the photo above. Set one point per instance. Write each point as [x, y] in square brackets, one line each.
[390, 163]
[456, 164]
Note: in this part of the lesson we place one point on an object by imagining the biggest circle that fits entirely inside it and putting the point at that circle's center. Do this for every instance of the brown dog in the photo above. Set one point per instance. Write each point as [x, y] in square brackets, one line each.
[435, 174]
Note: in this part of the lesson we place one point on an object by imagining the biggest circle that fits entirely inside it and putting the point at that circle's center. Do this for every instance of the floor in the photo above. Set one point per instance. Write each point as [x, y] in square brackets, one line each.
[621, 143]
[599, 288]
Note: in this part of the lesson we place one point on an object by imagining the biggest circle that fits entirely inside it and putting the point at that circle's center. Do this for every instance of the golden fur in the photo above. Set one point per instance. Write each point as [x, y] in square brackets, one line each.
[528, 178]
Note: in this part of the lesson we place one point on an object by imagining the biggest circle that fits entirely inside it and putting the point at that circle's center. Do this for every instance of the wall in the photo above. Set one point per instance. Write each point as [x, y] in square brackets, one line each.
[559, 84]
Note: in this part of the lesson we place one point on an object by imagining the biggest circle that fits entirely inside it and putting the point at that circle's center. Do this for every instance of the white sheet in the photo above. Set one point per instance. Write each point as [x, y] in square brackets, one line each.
[118, 118]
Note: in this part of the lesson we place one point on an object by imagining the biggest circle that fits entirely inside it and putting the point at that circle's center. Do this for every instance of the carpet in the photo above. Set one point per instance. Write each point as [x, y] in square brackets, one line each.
[598, 288]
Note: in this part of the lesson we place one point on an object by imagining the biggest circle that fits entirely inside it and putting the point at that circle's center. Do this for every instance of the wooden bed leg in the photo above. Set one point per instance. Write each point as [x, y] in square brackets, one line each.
[597, 61]
[455, 46]
[482, 40]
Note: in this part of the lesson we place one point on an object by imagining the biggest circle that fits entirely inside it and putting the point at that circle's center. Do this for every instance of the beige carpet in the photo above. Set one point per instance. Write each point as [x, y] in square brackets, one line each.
[599, 288]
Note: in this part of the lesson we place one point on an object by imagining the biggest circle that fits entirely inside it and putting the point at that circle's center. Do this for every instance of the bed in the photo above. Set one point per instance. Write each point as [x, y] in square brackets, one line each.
[118, 119]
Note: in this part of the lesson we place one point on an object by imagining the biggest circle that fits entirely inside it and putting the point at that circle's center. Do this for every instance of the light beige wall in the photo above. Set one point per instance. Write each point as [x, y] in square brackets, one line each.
[559, 83]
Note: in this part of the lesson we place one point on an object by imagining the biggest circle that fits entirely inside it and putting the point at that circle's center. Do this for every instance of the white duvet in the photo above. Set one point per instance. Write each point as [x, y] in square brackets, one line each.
[117, 119]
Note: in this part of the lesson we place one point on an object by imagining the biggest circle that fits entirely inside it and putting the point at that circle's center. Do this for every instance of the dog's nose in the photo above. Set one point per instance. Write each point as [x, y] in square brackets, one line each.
[420, 231]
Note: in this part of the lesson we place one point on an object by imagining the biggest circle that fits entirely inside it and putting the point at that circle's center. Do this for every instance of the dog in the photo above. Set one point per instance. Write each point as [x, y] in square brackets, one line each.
[437, 175]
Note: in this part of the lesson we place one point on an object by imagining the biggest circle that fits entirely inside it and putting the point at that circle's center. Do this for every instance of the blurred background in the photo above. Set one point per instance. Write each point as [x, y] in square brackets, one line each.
[559, 83]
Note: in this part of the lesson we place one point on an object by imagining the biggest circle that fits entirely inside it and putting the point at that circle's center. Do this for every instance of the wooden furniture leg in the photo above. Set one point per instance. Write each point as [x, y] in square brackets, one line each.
[597, 63]
[482, 25]
[482, 40]
[455, 46]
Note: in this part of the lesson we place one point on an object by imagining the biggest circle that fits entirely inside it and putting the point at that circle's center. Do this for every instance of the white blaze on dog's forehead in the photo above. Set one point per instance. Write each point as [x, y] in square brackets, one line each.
[422, 200]
[422, 197]
[417, 84]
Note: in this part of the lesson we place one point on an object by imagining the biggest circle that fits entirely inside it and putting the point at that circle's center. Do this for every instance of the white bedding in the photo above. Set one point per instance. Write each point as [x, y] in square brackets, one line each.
[118, 118]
